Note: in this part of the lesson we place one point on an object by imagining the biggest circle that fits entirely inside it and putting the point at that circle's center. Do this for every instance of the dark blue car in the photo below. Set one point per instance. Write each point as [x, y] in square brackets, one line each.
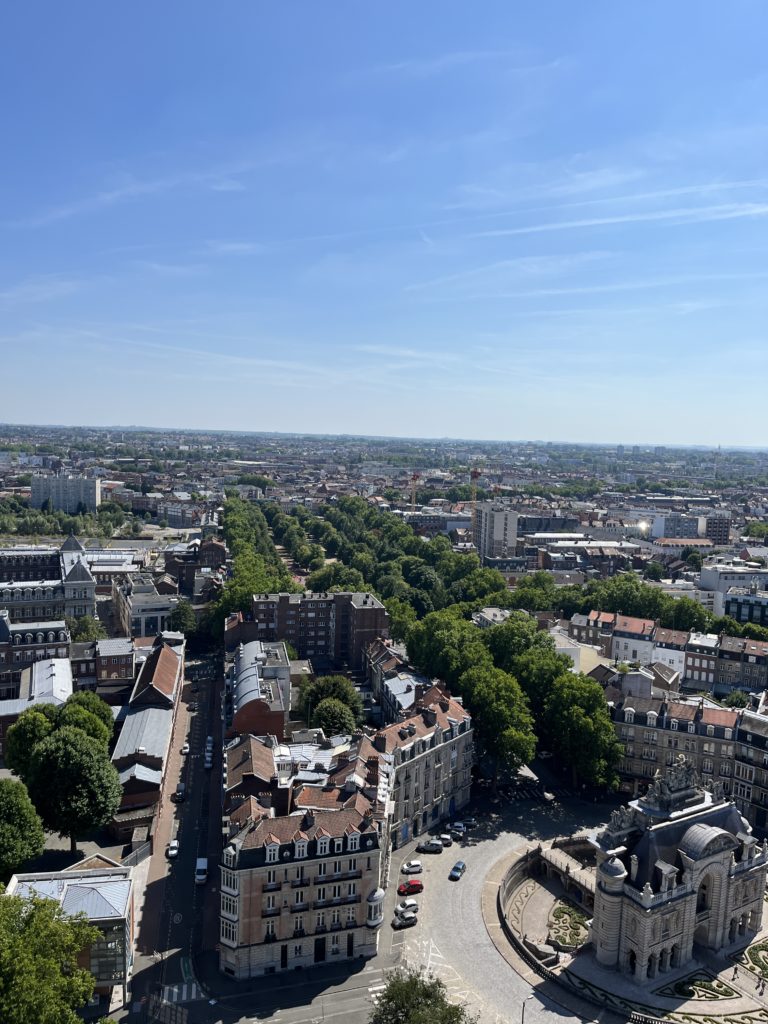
[457, 870]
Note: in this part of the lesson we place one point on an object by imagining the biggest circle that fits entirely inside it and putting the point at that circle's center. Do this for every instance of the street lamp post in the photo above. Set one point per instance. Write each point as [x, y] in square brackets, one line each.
[522, 1008]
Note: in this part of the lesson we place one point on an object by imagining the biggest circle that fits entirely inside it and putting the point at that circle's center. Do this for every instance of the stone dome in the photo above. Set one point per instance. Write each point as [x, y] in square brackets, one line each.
[613, 867]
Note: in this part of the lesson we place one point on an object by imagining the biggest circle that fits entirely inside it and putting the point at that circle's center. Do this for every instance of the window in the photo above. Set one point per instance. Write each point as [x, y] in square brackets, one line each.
[270, 905]
[337, 845]
[353, 842]
[336, 892]
[352, 864]
[321, 869]
[301, 848]
[320, 922]
[322, 846]
[629, 716]
[272, 851]
[321, 893]
[229, 880]
[352, 889]
[269, 930]
[691, 727]
[337, 867]
[229, 931]
[271, 876]
[728, 734]
[673, 725]
[710, 730]
[229, 905]
[297, 950]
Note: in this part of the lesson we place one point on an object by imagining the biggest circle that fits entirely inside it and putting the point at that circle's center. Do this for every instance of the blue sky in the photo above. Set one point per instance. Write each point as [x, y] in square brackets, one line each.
[487, 220]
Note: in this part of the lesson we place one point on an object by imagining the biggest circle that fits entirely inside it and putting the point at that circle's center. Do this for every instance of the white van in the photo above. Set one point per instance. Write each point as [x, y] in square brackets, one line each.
[201, 871]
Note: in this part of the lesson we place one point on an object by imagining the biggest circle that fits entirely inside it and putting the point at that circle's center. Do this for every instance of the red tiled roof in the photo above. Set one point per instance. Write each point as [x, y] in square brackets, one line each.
[639, 627]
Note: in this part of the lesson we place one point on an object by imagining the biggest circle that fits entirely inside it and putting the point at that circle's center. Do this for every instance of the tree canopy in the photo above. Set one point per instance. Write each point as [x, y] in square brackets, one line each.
[85, 629]
[413, 997]
[501, 718]
[41, 979]
[336, 687]
[334, 717]
[581, 732]
[21, 831]
[87, 790]
[182, 618]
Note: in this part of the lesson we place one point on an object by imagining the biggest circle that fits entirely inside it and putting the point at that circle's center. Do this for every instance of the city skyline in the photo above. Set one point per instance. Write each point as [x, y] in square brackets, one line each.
[395, 223]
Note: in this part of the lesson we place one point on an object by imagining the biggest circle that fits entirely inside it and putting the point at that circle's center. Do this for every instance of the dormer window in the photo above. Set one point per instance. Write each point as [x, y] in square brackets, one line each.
[337, 845]
[673, 725]
[301, 848]
[272, 851]
[629, 716]
[353, 843]
[322, 846]
[710, 730]
[691, 727]
[729, 734]
[651, 718]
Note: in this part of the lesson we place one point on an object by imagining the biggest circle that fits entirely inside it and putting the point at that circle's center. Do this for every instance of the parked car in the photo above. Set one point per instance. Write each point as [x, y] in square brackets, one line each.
[192, 705]
[471, 823]
[411, 887]
[446, 840]
[457, 870]
[407, 907]
[404, 921]
[173, 849]
[430, 846]
[458, 828]
[412, 867]
[185, 749]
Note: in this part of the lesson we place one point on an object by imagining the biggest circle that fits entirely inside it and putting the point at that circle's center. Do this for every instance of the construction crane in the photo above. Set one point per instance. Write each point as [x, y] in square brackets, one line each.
[415, 477]
[474, 476]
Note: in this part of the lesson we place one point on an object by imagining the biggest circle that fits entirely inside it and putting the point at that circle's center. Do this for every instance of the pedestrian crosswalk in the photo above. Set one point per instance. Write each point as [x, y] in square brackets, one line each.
[183, 992]
[533, 793]
[374, 992]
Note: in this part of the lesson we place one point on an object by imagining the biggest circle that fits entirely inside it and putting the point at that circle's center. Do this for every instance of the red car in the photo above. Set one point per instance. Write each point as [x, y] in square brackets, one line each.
[409, 888]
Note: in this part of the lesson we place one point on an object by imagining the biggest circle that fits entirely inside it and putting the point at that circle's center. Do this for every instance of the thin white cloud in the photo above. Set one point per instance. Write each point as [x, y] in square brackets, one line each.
[227, 185]
[171, 269]
[37, 289]
[684, 215]
[222, 247]
[522, 266]
[426, 67]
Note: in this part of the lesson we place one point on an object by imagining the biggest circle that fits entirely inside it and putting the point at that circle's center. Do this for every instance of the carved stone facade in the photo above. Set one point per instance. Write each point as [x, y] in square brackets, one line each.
[675, 869]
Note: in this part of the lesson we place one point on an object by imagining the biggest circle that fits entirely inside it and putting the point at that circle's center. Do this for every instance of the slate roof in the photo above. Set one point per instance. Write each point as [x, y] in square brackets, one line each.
[100, 895]
[72, 544]
[79, 573]
[663, 841]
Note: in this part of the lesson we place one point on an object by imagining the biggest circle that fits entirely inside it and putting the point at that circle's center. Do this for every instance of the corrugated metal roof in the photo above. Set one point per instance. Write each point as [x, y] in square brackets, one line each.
[148, 728]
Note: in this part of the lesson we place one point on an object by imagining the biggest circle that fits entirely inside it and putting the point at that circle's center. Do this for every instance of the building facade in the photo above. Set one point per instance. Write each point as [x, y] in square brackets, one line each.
[495, 530]
[138, 608]
[336, 628]
[68, 493]
[678, 866]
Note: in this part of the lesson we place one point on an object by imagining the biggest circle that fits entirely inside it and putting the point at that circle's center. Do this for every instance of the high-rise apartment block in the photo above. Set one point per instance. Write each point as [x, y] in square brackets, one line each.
[66, 493]
[495, 530]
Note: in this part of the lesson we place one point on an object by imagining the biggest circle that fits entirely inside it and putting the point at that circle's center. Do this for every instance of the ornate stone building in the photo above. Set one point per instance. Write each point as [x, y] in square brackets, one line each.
[677, 868]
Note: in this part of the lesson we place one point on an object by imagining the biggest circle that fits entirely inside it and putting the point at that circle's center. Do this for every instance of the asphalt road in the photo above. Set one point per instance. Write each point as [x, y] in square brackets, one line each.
[450, 939]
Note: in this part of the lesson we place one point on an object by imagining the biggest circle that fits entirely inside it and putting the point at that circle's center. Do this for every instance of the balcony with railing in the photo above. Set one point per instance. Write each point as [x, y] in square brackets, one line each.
[272, 886]
[299, 883]
[337, 901]
[271, 912]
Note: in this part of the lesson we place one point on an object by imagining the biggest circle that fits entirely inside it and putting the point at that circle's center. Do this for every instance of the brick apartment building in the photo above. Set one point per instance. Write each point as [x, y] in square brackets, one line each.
[335, 628]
